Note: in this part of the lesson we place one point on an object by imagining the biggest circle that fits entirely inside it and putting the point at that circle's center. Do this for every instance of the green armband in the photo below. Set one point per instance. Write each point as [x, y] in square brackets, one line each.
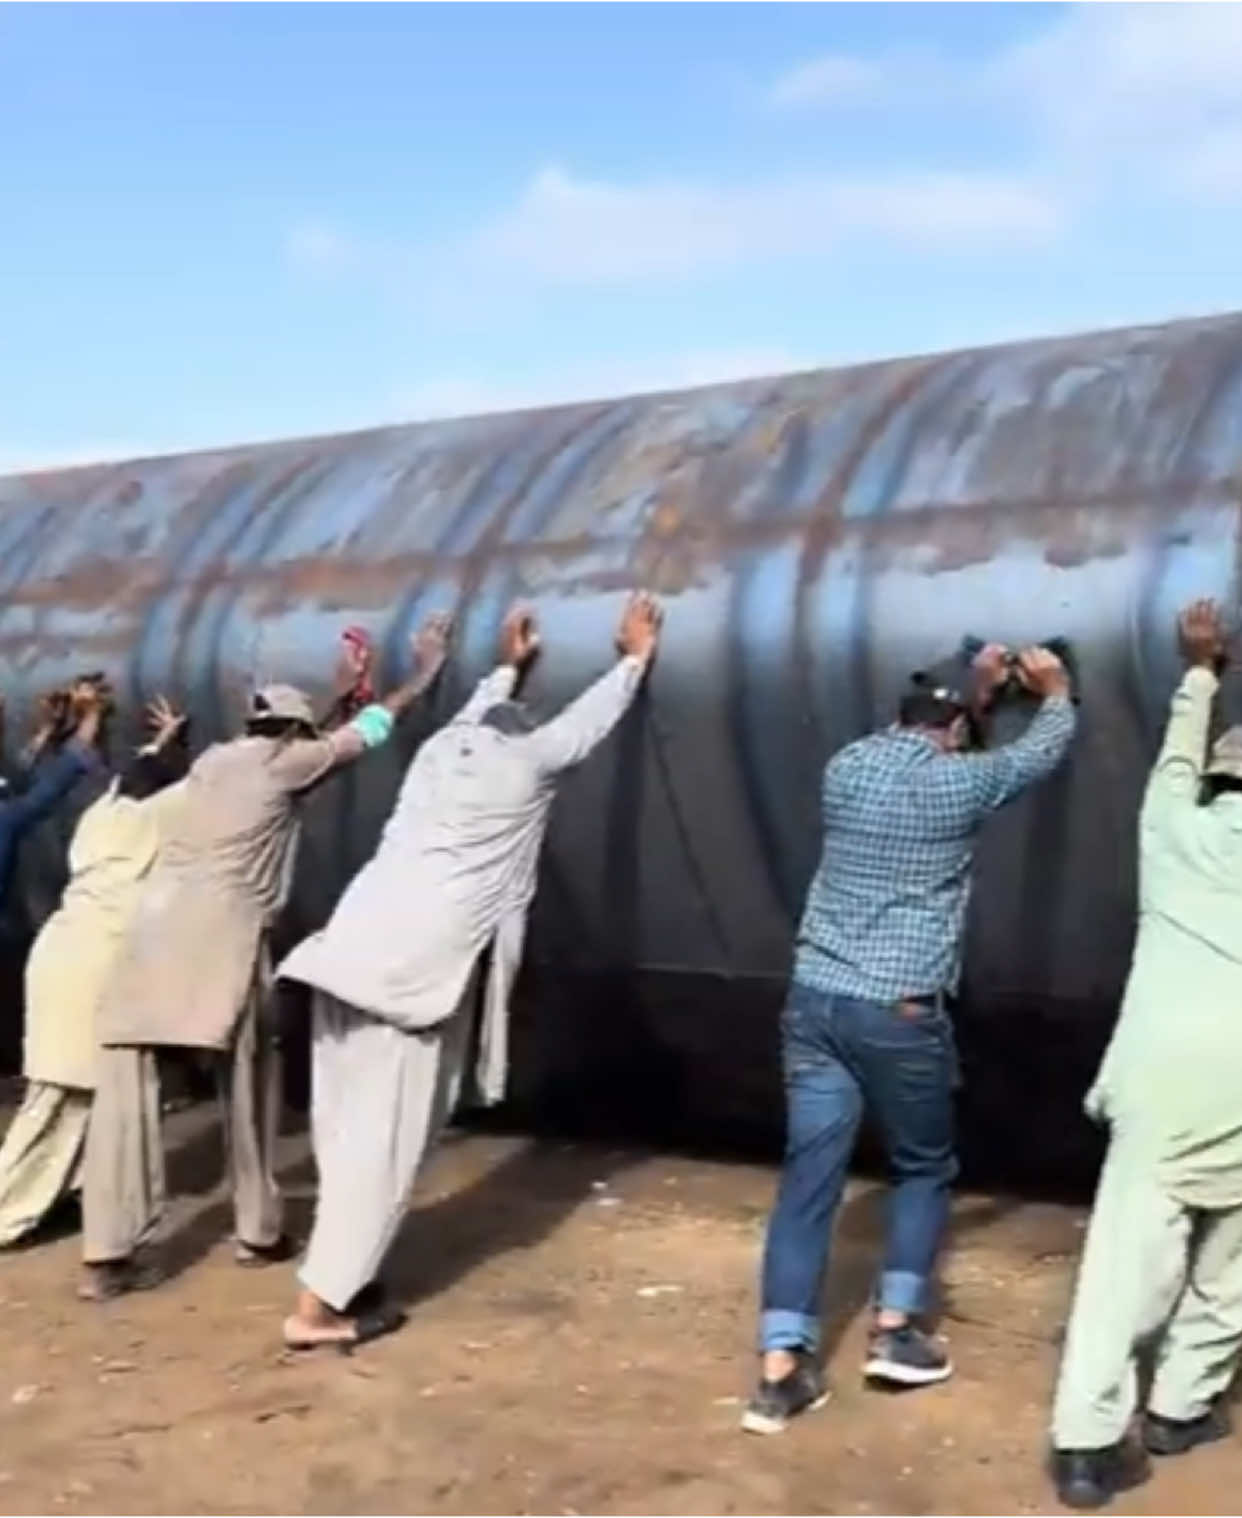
[374, 725]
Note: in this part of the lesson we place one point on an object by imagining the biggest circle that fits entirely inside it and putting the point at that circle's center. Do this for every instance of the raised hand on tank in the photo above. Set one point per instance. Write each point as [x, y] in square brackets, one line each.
[519, 637]
[431, 644]
[90, 701]
[639, 633]
[1202, 635]
[1042, 672]
[355, 661]
[164, 722]
[85, 695]
[990, 668]
[52, 724]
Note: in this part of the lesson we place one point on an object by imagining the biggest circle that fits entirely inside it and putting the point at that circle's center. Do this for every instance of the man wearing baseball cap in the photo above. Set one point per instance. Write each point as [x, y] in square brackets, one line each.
[195, 972]
[878, 951]
[1163, 1255]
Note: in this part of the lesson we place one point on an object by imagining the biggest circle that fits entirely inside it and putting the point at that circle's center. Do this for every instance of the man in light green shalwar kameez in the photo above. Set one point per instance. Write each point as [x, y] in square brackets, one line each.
[1163, 1255]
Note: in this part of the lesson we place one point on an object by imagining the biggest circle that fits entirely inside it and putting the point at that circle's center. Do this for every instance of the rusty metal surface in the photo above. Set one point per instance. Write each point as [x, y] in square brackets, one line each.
[815, 537]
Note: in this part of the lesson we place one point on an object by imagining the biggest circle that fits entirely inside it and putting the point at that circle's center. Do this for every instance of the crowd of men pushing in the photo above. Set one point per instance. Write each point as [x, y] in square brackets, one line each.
[178, 873]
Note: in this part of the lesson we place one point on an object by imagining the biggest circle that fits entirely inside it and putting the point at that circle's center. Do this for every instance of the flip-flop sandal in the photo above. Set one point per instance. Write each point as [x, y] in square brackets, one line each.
[257, 1256]
[107, 1285]
[367, 1327]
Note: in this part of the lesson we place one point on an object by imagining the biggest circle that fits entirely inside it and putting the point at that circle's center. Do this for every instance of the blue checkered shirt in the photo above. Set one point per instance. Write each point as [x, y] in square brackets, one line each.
[886, 911]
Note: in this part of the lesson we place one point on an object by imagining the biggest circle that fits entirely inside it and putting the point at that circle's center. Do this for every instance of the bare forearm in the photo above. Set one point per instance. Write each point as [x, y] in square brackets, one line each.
[399, 701]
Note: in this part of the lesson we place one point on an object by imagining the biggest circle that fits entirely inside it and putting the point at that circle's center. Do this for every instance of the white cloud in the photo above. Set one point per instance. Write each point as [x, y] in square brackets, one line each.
[315, 247]
[1099, 104]
[581, 231]
[835, 79]
[464, 395]
[1104, 73]
[1210, 168]
[1148, 91]
[1145, 98]
[842, 81]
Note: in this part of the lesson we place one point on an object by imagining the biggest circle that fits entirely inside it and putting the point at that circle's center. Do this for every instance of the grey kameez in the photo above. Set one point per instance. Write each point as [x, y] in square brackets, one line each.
[455, 872]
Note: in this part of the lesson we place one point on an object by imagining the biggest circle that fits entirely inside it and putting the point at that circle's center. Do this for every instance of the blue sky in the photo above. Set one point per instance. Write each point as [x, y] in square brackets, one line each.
[220, 223]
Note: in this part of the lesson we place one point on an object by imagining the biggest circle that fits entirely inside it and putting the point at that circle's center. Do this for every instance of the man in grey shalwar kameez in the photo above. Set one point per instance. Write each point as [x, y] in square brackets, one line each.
[454, 873]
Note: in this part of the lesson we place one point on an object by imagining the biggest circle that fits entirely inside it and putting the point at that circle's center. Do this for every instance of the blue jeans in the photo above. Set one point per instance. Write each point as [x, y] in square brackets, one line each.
[838, 1053]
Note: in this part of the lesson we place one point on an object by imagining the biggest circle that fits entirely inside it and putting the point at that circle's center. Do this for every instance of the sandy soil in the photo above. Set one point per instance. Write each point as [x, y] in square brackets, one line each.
[580, 1344]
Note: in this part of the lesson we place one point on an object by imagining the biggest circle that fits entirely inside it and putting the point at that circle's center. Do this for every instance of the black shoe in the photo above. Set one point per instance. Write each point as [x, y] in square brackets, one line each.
[1091, 1478]
[256, 1256]
[906, 1357]
[1176, 1436]
[776, 1402]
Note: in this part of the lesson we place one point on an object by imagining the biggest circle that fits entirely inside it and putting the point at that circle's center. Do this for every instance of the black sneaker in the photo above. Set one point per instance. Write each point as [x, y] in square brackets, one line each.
[1176, 1436]
[906, 1357]
[776, 1402]
[1091, 1478]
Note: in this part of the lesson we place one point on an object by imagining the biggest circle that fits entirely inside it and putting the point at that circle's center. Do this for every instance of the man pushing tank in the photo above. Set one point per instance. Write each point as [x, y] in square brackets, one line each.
[454, 874]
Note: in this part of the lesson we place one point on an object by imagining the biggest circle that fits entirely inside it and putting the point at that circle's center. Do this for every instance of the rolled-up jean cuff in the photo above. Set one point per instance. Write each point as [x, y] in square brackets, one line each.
[901, 1291]
[781, 1329]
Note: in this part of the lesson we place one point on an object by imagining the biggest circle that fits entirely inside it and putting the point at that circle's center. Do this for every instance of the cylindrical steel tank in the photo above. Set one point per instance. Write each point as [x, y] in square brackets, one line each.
[814, 537]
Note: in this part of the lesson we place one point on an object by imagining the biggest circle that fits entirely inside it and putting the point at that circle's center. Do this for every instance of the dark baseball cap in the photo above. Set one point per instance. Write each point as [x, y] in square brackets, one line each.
[945, 681]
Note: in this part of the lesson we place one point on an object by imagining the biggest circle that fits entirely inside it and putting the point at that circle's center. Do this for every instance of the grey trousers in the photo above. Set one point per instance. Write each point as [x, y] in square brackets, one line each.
[123, 1183]
[379, 1098]
[1151, 1267]
[41, 1160]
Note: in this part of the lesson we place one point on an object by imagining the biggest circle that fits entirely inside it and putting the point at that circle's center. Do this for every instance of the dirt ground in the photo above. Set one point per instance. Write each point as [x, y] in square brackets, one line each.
[580, 1343]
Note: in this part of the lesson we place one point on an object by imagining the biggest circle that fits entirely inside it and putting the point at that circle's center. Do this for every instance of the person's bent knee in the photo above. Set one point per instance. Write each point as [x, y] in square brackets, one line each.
[940, 1168]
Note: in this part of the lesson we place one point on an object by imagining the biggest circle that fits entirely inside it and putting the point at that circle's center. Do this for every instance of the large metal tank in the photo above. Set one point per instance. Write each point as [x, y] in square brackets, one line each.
[815, 537]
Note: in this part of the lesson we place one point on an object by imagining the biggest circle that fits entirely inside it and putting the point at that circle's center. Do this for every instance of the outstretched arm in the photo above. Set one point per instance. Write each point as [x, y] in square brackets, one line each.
[586, 722]
[54, 778]
[1002, 774]
[430, 649]
[1178, 773]
[301, 765]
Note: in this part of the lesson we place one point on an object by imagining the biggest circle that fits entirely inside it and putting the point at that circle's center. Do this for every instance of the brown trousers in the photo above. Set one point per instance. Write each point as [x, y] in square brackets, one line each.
[123, 1179]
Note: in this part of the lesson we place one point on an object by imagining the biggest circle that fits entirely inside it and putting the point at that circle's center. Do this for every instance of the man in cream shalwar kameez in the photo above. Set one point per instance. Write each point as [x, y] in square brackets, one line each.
[455, 872]
[1164, 1252]
[195, 973]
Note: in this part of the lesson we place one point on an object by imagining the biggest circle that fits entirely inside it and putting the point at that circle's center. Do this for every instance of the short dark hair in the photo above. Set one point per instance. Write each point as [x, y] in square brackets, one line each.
[510, 718]
[151, 772]
[924, 708]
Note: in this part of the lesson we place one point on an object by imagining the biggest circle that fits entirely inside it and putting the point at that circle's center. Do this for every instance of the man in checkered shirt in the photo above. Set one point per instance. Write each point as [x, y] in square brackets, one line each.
[878, 951]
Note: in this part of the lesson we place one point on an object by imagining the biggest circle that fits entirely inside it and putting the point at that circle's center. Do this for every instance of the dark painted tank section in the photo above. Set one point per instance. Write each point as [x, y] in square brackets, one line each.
[815, 537]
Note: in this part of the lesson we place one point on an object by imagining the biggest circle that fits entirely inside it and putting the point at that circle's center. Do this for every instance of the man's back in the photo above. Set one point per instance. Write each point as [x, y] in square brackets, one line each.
[887, 902]
[886, 910]
[1173, 1067]
[467, 825]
